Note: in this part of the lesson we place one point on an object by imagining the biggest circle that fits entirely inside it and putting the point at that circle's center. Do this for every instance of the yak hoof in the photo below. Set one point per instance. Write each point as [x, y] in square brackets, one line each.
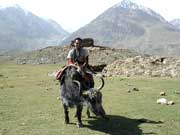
[106, 118]
[66, 121]
[79, 125]
[88, 115]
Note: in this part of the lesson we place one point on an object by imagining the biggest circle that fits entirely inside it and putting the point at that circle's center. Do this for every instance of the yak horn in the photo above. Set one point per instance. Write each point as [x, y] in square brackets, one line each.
[102, 85]
[79, 84]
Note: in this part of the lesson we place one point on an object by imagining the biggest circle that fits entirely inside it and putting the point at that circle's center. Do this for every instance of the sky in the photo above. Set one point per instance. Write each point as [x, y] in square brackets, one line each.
[73, 14]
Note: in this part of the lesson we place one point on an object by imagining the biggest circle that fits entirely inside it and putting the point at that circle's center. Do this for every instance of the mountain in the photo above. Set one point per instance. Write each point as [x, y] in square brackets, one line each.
[21, 30]
[128, 25]
[176, 23]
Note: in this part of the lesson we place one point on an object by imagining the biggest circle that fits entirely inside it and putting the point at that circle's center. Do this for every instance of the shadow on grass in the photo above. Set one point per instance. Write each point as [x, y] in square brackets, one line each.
[119, 125]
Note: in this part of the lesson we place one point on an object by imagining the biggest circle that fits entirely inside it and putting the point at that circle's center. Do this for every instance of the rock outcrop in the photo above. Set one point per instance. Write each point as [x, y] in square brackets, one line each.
[152, 66]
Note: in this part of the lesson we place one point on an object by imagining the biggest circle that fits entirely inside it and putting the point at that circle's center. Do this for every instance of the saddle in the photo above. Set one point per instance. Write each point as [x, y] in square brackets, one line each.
[87, 80]
[59, 73]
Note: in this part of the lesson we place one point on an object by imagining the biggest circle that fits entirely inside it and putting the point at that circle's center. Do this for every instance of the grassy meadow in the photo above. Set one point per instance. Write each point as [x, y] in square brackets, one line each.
[29, 105]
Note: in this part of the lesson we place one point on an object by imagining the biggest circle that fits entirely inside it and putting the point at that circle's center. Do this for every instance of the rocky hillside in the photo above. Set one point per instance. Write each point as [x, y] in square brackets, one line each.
[114, 62]
[131, 26]
[55, 54]
[20, 30]
[152, 66]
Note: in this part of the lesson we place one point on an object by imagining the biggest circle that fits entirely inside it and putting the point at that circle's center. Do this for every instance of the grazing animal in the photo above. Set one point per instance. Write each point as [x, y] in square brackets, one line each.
[72, 95]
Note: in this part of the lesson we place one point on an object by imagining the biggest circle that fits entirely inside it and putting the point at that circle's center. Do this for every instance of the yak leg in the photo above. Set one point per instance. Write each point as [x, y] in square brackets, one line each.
[66, 114]
[79, 111]
[103, 114]
[88, 113]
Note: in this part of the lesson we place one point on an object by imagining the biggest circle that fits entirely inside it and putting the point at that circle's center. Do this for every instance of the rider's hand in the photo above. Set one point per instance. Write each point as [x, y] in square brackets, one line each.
[76, 64]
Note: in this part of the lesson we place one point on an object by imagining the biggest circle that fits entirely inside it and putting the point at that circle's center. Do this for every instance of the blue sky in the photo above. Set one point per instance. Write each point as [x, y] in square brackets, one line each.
[73, 14]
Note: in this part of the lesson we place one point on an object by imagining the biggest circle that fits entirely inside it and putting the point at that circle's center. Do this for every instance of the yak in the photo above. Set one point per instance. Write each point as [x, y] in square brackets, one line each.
[74, 94]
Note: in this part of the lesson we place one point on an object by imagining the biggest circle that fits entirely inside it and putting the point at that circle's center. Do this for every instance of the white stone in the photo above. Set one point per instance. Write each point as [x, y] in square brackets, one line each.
[162, 101]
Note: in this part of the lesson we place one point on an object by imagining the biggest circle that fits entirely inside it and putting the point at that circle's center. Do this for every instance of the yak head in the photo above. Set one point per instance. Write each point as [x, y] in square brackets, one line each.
[70, 72]
[94, 100]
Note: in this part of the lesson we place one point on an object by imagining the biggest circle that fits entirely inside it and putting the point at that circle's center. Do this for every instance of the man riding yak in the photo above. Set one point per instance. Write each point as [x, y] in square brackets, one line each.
[79, 57]
[77, 84]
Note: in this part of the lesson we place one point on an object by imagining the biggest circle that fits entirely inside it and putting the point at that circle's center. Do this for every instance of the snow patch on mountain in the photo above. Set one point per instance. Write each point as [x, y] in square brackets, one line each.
[127, 4]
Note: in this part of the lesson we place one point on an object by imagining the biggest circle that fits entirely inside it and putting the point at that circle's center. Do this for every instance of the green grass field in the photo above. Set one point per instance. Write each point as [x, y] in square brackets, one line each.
[29, 105]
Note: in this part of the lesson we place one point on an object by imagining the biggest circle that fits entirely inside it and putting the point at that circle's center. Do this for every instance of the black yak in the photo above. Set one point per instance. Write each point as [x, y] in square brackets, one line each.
[72, 94]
